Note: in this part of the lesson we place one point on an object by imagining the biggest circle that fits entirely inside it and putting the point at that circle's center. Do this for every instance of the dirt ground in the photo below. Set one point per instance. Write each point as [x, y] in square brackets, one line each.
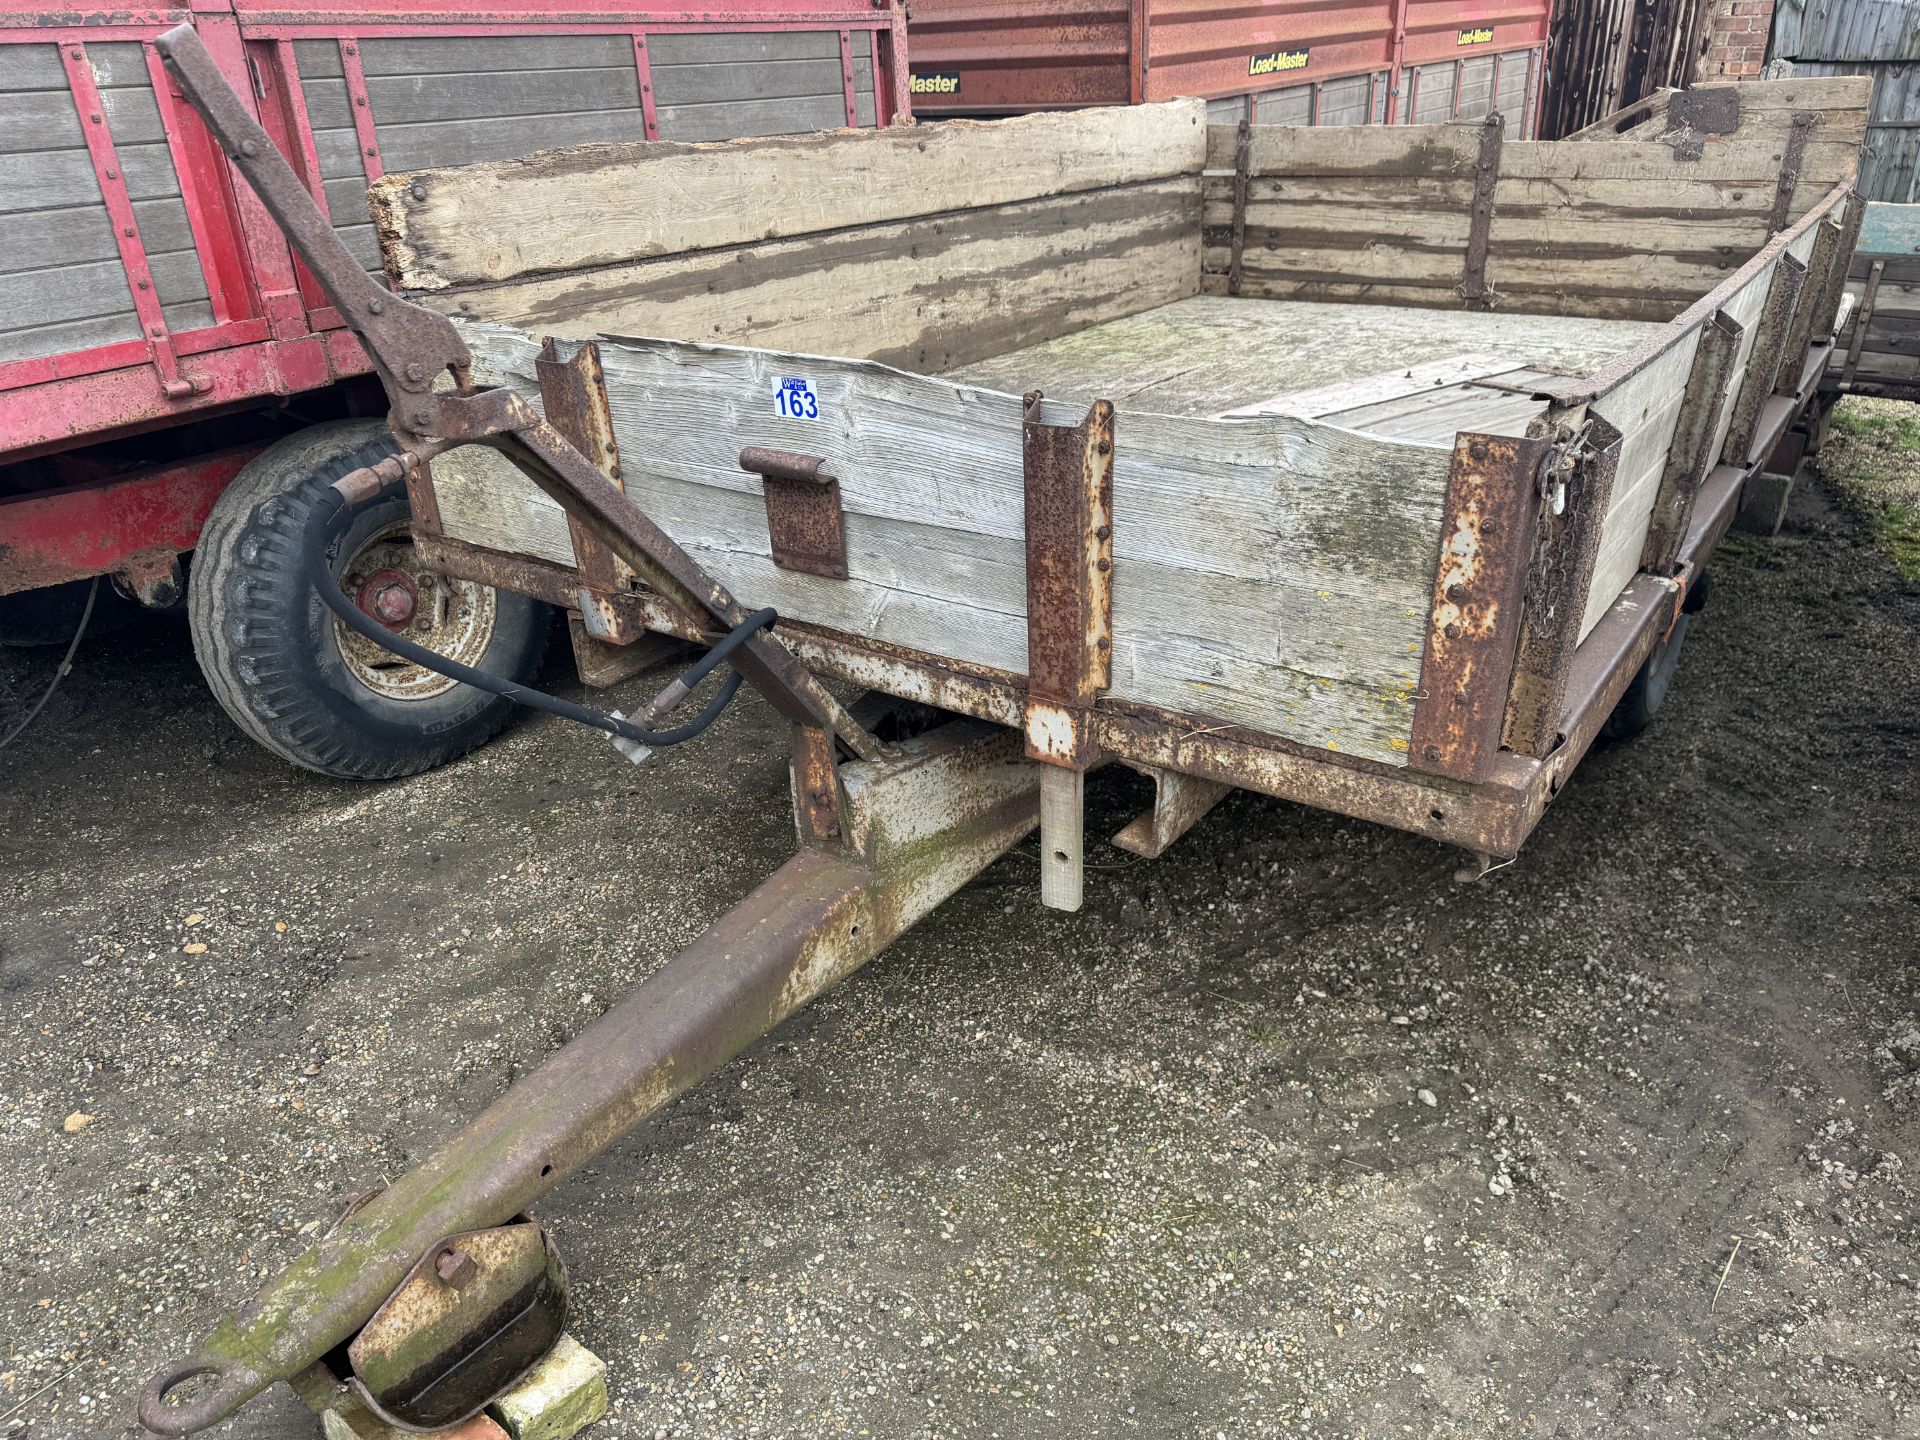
[1287, 1133]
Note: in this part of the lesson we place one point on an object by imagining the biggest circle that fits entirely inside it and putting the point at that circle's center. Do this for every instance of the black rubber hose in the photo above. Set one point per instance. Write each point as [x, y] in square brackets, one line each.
[314, 553]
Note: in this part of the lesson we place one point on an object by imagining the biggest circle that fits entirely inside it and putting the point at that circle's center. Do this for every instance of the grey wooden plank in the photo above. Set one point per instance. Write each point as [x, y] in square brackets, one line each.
[1435, 416]
[677, 85]
[347, 201]
[574, 210]
[83, 233]
[31, 66]
[932, 295]
[82, 292]
[744, 47]
[1344, 101]
[417, 147]
[50, 180]
[317, 59]
[327, 107]
[118, 63]
[362, 242]
[46, 119]
[466, 54]
[1291, 105]
[738, 118]
[72, 335]
[469, 95]
[338, 152]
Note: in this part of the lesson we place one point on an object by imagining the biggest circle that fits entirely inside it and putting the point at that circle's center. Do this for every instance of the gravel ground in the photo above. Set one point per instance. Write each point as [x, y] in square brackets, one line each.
[1287, 1133]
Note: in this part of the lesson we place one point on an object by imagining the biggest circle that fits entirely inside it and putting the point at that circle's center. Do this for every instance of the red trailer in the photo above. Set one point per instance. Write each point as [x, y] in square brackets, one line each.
[161, 348]
[1276, 62]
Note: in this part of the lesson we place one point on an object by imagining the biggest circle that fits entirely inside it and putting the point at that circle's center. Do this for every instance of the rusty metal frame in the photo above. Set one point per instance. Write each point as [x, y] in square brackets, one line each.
[1578, 488]
[573, 397]
[1862, 317]
[1474, 621]
[1790, 161]
[1822, 258]
[1764, 359]
[1242, 184]
[1068, 474]
[1690, 454]
[1486, 178]
[1827, 310]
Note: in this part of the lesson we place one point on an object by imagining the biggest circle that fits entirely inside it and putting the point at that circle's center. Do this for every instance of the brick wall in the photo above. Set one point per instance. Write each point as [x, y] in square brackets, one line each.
[1737, 43]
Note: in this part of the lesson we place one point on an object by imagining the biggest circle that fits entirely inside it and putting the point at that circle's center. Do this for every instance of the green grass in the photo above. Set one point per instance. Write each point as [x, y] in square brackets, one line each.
[1897, 528]
[1901, 431]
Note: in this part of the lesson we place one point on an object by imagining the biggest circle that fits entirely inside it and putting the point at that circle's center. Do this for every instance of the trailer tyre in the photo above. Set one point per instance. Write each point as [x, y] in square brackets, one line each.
[1647, 691]
[301, 683]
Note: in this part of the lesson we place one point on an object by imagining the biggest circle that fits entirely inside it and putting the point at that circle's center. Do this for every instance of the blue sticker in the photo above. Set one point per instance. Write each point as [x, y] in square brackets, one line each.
[794, 398]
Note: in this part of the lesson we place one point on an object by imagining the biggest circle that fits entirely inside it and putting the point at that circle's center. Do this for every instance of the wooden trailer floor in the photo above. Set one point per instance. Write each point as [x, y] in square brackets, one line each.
[1391, 370]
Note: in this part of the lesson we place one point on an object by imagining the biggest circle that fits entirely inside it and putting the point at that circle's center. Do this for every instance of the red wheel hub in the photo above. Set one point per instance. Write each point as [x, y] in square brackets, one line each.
[391, 597]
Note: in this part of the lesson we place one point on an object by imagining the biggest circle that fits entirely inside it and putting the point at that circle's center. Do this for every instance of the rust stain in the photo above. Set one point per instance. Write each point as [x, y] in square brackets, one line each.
[1478, 584]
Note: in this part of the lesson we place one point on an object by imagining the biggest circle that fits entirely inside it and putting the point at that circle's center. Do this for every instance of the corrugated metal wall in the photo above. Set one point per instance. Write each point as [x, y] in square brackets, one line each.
[1880, 38]
[1293, 62]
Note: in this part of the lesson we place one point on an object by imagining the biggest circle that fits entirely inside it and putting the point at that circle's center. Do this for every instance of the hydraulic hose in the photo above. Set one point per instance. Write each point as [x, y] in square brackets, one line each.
[313, 544]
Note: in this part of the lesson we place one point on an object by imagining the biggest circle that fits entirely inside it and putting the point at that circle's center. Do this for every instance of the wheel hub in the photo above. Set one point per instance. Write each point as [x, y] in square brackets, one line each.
[390, 596]
[388, 580]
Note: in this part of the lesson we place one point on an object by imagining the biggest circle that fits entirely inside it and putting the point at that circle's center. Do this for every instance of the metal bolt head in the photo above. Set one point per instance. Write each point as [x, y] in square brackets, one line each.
[1453, 632]
[1456, 592]
[1478, 449]
[249, 147]
[415, 370]
[420, 419]
[456, 1267]
[376, 305]
[418, 192]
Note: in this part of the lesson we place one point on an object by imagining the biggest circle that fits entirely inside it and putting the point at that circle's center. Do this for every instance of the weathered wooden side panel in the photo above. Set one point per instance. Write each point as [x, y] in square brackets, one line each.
[601, 206]
[1271, 573]
[62, 284]
[1624, 228]
[930, 294]
[1645, 406]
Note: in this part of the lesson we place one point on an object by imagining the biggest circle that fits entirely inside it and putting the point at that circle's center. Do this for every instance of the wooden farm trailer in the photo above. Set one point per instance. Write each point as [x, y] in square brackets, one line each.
[1419, 435]
[1372, 469]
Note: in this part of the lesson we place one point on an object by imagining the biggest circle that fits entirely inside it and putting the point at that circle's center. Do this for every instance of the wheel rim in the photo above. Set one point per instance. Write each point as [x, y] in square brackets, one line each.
[386, 578]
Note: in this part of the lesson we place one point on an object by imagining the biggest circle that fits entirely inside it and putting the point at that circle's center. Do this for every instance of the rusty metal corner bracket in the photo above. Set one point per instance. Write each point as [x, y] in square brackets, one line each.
[1068, 473]
[1479, 584]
